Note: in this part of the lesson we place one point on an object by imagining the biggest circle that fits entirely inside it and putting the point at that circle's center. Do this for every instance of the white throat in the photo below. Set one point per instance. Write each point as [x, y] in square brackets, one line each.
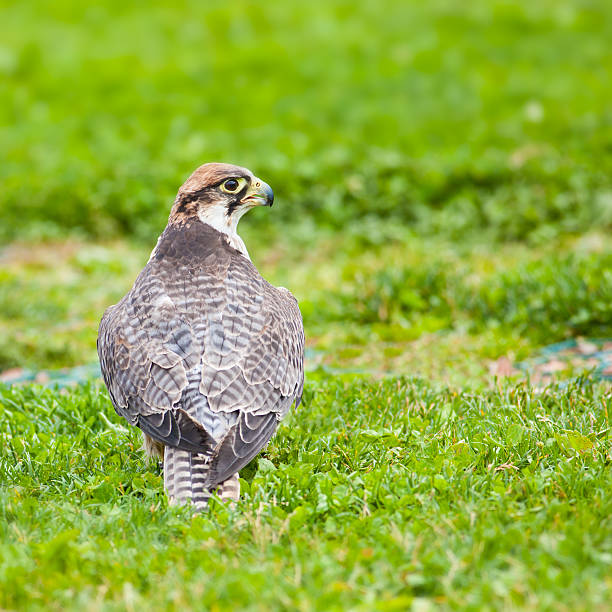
[216, 216]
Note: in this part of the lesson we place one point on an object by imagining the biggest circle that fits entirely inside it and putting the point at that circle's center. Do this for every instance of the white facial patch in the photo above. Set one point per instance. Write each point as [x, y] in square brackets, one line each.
[216, 216]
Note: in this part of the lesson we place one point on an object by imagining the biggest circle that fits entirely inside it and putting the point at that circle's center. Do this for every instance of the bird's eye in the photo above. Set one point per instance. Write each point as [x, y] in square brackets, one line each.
[231, 185]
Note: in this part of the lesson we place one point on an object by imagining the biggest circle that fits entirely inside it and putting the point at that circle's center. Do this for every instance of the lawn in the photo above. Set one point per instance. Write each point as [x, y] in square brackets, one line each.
[443, 181]
[375, 495]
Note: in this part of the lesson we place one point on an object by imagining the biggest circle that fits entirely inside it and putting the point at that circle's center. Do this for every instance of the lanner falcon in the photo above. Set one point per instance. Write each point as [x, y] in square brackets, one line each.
[203, 354]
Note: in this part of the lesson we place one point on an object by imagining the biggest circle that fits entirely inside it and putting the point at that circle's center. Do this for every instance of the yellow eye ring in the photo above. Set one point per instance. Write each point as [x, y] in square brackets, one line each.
[232, 185]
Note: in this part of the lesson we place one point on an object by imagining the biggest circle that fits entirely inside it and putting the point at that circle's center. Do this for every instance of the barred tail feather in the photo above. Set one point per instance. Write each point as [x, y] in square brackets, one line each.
[230, 489]
[185, 477]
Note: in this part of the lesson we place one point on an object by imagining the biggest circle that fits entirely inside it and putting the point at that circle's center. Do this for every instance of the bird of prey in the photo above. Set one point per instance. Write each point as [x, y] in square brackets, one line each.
[203, 354]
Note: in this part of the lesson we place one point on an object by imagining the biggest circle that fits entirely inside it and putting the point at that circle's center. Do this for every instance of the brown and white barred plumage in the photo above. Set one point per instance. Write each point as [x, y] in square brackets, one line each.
[203, 354]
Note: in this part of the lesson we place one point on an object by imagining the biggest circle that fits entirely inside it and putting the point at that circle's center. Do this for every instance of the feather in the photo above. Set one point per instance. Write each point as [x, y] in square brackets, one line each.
[203, 355]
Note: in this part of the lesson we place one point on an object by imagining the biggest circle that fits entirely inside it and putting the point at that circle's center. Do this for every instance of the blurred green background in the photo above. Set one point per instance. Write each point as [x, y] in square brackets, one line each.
[443, 181]
[440, 168]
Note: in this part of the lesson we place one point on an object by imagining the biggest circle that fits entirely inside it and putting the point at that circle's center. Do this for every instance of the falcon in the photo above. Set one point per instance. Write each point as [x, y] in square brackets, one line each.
[203, 354]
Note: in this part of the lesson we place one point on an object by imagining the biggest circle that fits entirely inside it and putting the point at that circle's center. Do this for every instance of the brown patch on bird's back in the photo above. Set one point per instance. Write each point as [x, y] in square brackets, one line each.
[185, 209]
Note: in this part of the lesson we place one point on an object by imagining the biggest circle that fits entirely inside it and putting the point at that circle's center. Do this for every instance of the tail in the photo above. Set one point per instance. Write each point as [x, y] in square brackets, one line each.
[186, 480]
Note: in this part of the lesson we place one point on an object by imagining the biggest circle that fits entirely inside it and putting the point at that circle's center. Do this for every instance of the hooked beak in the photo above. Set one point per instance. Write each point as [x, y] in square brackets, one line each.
[259, 194]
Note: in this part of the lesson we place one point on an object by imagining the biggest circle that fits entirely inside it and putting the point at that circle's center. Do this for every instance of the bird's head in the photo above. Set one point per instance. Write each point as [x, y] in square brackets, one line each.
[219, 194]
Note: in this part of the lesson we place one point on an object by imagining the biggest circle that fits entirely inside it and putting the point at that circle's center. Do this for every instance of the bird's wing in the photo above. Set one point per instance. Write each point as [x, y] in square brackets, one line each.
[246, 336]
[146, 346]
[253, 363]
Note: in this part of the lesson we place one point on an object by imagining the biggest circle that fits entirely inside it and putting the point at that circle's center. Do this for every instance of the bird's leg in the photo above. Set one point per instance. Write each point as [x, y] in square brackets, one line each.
[229, 489]
[153, 449]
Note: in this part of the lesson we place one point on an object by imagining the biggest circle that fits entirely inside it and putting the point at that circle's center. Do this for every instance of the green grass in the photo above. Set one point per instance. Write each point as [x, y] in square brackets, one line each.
[490, 116]
[412, 306]
[443, 201]
[374, 495]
